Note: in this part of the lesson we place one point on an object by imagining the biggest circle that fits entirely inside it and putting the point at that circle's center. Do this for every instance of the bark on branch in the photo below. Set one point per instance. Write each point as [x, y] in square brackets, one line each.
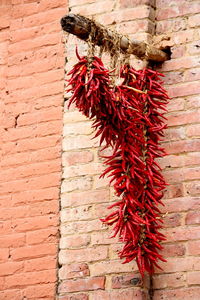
[81, 27]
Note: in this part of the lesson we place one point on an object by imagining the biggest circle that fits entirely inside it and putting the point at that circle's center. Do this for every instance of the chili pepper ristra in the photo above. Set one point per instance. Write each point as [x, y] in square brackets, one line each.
[129, 118]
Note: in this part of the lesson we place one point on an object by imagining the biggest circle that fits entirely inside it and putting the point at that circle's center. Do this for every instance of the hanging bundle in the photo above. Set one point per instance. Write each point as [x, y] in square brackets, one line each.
[129, 118]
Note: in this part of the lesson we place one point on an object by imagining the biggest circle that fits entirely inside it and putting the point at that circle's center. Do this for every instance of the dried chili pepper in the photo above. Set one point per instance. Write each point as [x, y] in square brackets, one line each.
[129, 118]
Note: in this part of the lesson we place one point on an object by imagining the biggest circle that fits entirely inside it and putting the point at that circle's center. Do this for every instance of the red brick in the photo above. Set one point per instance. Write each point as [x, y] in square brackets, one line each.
[45, 5]
[180, 9]
[43, 17]
[13, 294]
[132, 3]
[193, 217]
[84, 169]
[41, 116]
[103, 238]
[184, 89]
[182, 233]
[126, 15]
[174, 133]
[173, 77]
[23, 10]
[40, 182]
[194, 20]
[49, 235]
[181, 204]
[73, 296]
[110, 267]
[167, 281]
[34, 223]
[174, 190]
[193, 130]
[83, 255]
[192, 188]
[171, 25]
[182, 146]
[75, 270]
[120, 295]
[181, 118]
[41, 129]
[76, 157]
[4, 254]
[30, 278]
[9, 268]
[13, 240]
[194, 247]
[177, 264]
[84, 197]
[75, 241]
[178, 294]
[193, 278]
[35, 196]
[81, 226]
[34, 156]
[94, 8]
[183, 37]
[172, 220]
[92, 283]
[124, 281]
[31, 170]
[40, 264]
[178, 51]
[177, 249]
[39, 290]
[194, 49]
[29, 252]
[180, 63]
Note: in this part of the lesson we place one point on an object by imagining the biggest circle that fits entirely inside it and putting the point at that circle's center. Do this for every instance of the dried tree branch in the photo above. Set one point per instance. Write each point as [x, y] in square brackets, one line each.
[81, 27]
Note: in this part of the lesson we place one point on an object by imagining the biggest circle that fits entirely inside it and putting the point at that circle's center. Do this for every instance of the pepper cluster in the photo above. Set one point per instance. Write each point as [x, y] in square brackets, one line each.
[129, 118]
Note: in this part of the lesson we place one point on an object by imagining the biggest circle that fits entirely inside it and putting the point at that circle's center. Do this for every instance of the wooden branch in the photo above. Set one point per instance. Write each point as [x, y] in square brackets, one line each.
[81, 27]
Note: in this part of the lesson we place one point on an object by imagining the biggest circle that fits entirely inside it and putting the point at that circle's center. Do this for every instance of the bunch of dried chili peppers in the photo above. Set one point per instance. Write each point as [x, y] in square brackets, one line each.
[129, 118]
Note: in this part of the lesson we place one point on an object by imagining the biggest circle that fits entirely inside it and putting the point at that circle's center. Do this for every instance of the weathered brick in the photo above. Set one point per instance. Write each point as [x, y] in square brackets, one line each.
[75, 270]
[178, 294]
[30, 278]
[81, 255]
[39, 290]
[193, 217]
[9, 268]
[124, 281]
[39, 264]
[75, 241]
[33, 251]
[135, 294]
[87, 284]
[84, 197]
[177, 249]
[110, 267]
[184, 89]
[172, 220]
[82, 183]
[79, 296]
[84, 169]
[194, 20]
[162, 281]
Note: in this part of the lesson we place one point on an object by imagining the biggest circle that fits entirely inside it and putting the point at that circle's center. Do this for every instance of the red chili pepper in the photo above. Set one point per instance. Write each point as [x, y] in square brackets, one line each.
[129, 118]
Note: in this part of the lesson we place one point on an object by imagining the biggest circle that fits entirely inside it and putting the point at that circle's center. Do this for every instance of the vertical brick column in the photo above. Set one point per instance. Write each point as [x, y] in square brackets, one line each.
[89, 264]
[31, 90]
[178, 25]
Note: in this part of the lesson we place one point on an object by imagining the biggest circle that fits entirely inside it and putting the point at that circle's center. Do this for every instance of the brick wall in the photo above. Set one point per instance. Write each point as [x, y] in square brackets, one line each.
[89, 264]
[31, 89]
[89, 267]
[178, 26]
